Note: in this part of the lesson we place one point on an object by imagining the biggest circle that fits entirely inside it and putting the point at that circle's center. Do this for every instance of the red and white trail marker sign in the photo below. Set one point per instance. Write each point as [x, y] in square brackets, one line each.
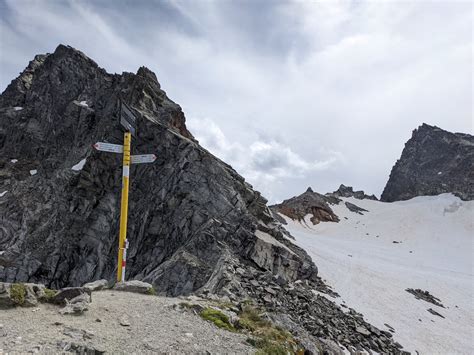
[109, 147]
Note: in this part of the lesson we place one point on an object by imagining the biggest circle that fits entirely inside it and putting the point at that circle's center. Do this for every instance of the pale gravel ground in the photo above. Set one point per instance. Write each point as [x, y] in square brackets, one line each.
[155, 327]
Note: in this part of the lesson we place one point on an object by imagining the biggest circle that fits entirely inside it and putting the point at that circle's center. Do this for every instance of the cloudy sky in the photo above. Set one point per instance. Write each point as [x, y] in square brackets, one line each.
[291, 94]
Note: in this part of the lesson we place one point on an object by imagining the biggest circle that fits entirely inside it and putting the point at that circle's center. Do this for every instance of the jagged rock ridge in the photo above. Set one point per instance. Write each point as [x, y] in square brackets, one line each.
[309, 202]
[434, 161]
[348, 191]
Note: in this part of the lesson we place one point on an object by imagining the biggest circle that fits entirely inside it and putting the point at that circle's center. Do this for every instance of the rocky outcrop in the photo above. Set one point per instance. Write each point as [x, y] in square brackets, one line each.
[433, 161]
[309, 202]
[425, 296]
[190, 214]
[354, 208]
[348, 191]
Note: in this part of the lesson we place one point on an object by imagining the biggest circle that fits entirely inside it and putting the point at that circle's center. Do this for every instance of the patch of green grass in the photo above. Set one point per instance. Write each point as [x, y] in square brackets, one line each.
[48, 295]
[151, 291]
[250, 319]
[18, 293]
[273, 349]
[218, 318]
[269, 339]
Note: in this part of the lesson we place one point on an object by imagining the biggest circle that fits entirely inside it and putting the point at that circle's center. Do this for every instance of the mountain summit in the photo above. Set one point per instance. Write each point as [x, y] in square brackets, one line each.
[434, 161]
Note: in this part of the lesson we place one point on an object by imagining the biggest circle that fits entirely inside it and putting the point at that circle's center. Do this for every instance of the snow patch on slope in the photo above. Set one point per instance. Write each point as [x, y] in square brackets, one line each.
[81, 103]
[79, 165]
[359, 259]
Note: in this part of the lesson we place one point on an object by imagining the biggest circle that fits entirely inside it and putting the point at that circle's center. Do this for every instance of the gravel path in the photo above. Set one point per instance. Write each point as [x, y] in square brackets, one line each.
[117, 322]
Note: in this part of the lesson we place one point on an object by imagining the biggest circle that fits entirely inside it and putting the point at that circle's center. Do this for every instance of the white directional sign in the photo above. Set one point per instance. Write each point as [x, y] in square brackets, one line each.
[109, 147]
[143, 158]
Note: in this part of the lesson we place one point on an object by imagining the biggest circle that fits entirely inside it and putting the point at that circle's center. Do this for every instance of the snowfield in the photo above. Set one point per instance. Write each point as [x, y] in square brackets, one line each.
[358, 258]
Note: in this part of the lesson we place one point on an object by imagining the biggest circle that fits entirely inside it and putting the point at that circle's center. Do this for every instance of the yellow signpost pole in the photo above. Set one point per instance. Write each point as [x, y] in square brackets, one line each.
[122, 254]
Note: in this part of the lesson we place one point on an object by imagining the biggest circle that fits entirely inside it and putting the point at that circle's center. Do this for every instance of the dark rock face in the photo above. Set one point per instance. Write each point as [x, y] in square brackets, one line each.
[425, 296]
[309, 202]
[347, 191]
[190, 214]
[433, 161]
[354, 208]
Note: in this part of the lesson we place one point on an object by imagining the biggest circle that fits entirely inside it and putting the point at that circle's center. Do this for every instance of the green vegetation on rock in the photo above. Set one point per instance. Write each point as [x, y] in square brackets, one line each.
[48, 295]
[18, 293]
[269, 339]
[151, 291]
[218, 318]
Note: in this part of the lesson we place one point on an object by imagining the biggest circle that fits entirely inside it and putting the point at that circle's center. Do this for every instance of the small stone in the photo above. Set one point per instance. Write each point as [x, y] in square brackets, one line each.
[270, 291]
[134, 286]
[254, 283]
[362, 330]
[432, 311]
[96, 285]
[124, 322]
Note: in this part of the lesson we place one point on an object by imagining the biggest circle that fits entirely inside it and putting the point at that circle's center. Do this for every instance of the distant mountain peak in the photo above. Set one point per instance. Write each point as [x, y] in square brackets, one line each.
[348, 191]
[433, 161]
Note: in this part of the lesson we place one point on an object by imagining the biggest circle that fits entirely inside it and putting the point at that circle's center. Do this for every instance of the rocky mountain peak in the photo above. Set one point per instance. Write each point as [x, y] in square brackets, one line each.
[147, 74]
[433, 161]
[348, 191]
[309, 202]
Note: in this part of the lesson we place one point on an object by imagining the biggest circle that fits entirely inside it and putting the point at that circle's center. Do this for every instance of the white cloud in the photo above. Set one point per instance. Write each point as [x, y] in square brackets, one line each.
[262, 163]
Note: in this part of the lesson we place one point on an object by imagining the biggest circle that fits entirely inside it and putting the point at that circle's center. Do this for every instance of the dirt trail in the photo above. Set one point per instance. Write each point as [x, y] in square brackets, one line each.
[116, 322]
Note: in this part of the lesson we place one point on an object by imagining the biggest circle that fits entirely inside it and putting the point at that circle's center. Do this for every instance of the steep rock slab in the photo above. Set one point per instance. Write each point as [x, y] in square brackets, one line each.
[433, 161]
[190, 214]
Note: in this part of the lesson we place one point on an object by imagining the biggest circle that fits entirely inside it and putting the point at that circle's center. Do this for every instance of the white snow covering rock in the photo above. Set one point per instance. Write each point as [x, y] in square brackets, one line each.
[33, 172]
[14, 161]
[358, 258]
[3, 193]
[18, 108]
[79, 165]
[81, 103]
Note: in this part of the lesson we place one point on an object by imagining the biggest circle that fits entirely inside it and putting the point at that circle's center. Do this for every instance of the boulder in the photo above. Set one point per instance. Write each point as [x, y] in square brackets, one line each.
[97, 285]
[134, 286]
[20, 294]
[68, 293]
